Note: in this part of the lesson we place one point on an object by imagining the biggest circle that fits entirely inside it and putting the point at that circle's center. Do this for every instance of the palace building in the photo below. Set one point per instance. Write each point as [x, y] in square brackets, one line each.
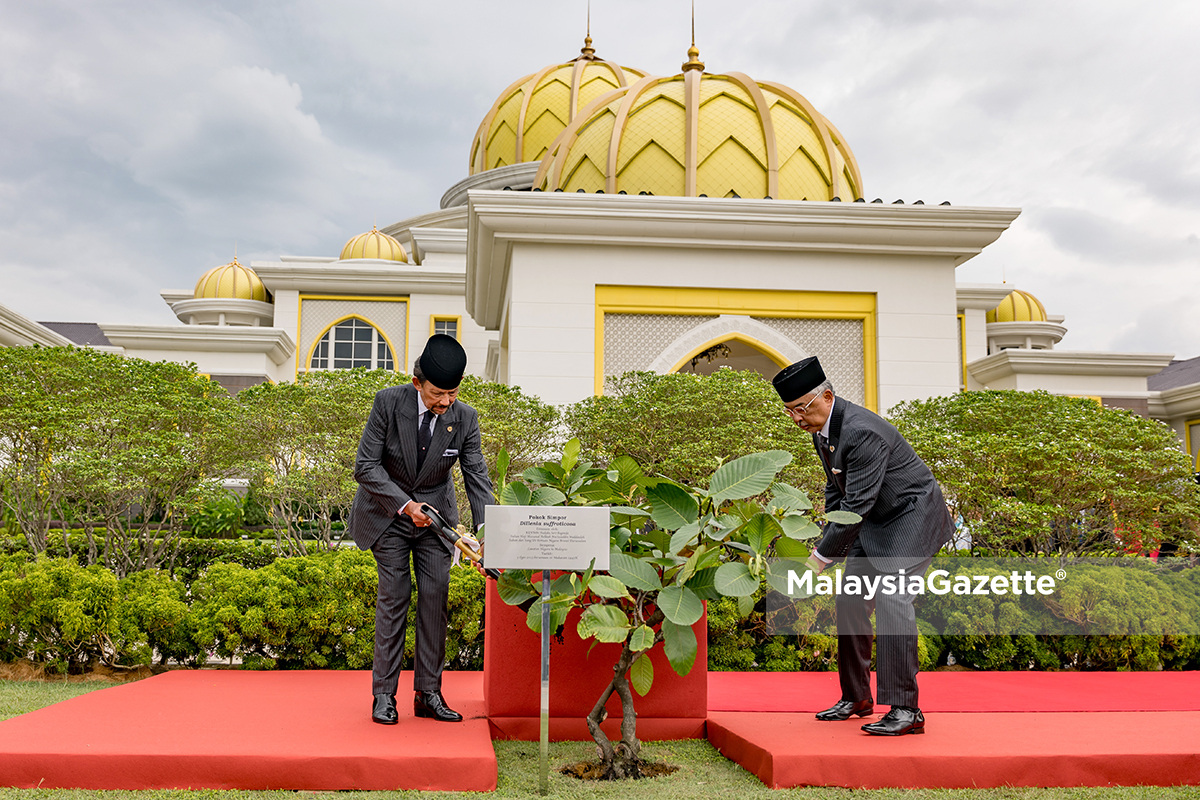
[613, 220]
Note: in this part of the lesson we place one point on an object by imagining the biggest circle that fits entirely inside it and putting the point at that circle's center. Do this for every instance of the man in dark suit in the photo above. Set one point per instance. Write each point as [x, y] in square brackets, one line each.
[414, 435]
[872, 471]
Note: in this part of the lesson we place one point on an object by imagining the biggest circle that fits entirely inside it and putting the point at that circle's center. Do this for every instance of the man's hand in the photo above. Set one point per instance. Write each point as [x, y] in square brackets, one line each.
[815, 564]
[419, 518]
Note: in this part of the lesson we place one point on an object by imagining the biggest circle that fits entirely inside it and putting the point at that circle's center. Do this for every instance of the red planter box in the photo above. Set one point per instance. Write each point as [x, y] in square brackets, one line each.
[675, 708]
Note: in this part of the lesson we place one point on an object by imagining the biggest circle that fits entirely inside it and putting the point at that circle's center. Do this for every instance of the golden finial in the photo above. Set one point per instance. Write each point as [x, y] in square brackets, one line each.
[235, 261]
[587, 50]
[693, 61]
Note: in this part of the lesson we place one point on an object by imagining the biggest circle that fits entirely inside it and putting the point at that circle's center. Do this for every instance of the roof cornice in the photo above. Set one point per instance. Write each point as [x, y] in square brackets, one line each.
[17, 330]
[274, 342]
[498, 220]
[370, 277]
[1067, 362]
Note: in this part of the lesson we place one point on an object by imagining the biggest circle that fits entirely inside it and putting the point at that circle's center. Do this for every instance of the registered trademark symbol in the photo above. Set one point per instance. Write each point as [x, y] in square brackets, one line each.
[1060, 574]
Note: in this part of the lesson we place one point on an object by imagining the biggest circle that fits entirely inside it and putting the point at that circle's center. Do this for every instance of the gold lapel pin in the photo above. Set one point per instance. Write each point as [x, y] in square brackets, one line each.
[449, 428]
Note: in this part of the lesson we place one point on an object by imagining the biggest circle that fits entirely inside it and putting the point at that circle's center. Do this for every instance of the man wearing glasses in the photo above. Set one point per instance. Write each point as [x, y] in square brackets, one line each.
[872, 471]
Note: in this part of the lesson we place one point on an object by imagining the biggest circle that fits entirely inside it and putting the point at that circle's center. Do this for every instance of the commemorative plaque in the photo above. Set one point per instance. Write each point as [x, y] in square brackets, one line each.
[546, 537]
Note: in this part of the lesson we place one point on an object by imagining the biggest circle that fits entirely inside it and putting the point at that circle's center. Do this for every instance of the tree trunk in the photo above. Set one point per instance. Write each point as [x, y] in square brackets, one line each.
[622, 760]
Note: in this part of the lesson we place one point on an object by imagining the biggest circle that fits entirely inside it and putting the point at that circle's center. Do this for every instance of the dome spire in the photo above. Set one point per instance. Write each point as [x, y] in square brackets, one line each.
[693, 62]
[587, 50]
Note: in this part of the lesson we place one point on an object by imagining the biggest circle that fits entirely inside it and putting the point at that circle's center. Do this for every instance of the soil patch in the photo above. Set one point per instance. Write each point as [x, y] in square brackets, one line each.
[594, 770]
[28, 671]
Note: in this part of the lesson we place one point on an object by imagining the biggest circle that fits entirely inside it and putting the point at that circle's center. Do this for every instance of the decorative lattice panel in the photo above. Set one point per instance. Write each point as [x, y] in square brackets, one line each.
[633, 341]
[389, 316]
[837, 342]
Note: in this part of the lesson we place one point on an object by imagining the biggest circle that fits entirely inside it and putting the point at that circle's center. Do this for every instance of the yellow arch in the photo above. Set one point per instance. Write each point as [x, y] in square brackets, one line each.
[779, 359]
[317, 339]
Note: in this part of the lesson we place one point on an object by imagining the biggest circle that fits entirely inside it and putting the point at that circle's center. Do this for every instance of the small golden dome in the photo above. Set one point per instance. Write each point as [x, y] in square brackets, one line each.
[374, 244]
[698, 134]
[1018, 307]
[231, 281]
[529, 114]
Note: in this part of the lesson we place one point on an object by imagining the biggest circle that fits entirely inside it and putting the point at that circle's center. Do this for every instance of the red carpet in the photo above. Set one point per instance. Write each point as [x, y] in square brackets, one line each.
[969, 691]
[966, 750]
[227, 729]
[230, 729]
[983, 729]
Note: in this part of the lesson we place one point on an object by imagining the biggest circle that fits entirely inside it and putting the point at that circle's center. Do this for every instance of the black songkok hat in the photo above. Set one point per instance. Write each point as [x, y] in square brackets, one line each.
[443, 361]
[798, 379]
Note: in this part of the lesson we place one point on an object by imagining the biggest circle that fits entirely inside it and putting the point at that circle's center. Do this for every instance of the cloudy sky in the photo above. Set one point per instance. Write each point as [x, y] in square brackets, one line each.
[141, 142]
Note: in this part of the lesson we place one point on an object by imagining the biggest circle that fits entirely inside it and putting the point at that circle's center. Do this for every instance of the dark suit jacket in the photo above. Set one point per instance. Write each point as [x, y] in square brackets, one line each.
[871, 470]
[386, 466]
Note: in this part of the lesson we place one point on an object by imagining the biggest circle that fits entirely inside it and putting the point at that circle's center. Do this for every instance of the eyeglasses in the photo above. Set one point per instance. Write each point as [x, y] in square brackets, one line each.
[801, 409]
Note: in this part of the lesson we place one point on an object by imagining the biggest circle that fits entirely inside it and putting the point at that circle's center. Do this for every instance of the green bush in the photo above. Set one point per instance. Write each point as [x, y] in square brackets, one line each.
[57, 613]
[683, 426]
[295, 613]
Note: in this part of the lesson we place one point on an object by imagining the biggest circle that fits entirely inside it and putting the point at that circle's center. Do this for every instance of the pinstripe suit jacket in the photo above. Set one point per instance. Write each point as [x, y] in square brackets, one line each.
[871, 470]
[386, 466]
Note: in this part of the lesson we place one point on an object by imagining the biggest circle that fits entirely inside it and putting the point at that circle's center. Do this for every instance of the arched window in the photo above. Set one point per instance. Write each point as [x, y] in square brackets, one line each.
[352, 343]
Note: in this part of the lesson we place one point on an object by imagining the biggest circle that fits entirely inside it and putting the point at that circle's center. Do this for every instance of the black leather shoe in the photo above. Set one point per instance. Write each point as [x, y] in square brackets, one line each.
[845, 709]
[383, 710]
[432, 705]
[897, 722]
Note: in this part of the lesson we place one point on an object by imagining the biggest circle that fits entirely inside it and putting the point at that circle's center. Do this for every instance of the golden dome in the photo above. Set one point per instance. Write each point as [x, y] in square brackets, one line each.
[1018, 307]
[374, 244]
[699, 134]
[530, 113]
[231, 281]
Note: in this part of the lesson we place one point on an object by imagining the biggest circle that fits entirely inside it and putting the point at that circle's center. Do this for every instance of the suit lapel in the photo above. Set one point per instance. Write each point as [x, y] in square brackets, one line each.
[442, 434]
[406, 424]
[835, 425]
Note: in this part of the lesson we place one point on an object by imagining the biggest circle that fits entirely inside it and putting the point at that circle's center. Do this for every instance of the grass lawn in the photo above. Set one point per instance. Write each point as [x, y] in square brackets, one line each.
[703, 773]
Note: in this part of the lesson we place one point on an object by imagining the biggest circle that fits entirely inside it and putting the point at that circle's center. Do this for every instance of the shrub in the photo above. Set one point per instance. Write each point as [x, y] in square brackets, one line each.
[683, 426]
[1035, 472]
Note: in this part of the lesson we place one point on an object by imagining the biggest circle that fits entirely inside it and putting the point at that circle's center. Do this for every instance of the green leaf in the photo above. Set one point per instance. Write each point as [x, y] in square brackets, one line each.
[745, 606]
[502, 462]
[607, 586]
[760, 531]
[686, 535]
[777, 573]
[514, 586]
[605, 623]
[547, 496]
[747, 476]
[843, 517]
[538, 475]
[680, 605]
[679, 643]
[558, 616]
[570, 455]
[628, 473]
[703, 584]
[515, 494]
[618, 537]
[790, 548]
[734, 580]
[790, 497]
[633, 572]
[626, 513]
[642, 638]
[691, 565]
[672, 506]
[641, 675]
[800, 527]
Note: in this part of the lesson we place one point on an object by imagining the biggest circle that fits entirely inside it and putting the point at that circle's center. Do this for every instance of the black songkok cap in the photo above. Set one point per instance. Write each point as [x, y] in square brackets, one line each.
[443, 361]
[798, 379]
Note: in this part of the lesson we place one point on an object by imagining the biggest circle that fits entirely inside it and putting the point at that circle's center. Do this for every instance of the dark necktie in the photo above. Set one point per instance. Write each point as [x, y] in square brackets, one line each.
[823, 446]
[424, 436]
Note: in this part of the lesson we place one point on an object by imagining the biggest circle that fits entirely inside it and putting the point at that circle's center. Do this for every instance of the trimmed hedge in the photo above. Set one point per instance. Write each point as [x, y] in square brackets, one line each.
[308, 612]
[317, 612]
